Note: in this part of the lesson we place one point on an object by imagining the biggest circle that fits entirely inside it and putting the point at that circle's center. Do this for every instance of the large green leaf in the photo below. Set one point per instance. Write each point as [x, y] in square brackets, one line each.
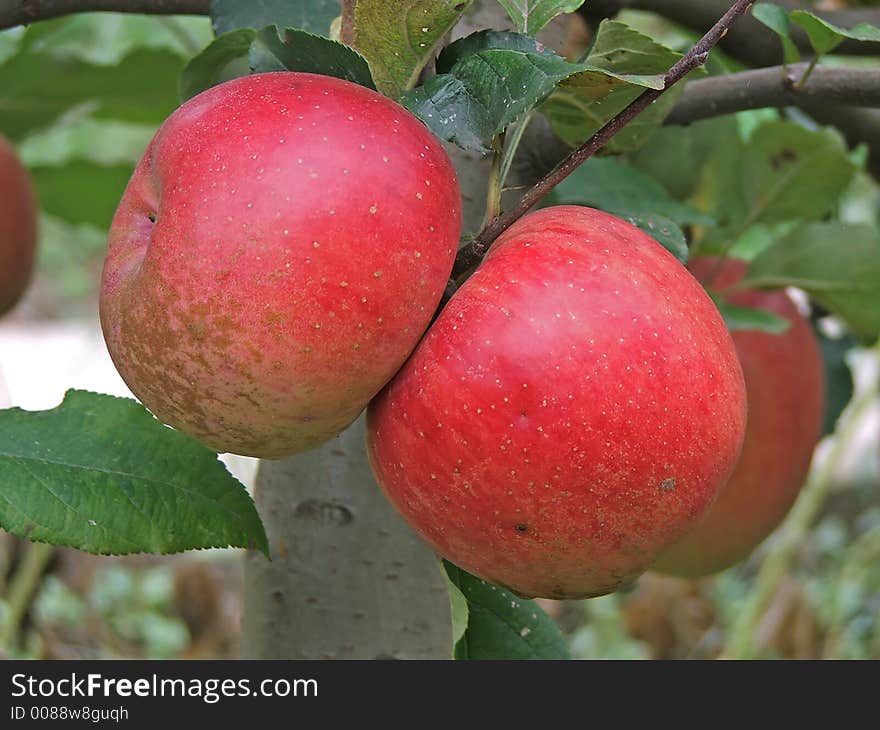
[81, 191]
[495, 78]
[838, 264]
[611, 185]
[37, 88]
[314, 16]
[529, 16]
[792, 172]
[576, 116]
[398, 38]
[101, 474]
[502, 625]
[825, 36]
[782, 172]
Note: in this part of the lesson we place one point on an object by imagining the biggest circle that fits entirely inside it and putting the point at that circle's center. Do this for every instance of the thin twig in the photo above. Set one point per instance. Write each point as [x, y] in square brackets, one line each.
[471, 254]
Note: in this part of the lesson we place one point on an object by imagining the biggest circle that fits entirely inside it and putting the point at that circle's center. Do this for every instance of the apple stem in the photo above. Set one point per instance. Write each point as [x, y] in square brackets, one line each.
[740, 642]
[472, 254]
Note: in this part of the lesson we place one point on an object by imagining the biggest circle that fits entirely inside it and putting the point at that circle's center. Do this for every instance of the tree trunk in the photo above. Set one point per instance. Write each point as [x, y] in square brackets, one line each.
[348, 578]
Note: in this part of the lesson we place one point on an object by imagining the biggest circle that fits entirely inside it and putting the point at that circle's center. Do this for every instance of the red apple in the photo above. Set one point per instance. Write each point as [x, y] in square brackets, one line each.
[18, 227]
[785, 386]
[278, 253]
[573, 410]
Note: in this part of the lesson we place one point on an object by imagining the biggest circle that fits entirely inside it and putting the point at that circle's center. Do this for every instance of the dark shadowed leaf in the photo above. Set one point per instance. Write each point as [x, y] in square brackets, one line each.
[485, 40]
[495, 78]
[101, 474]
[224, 59]
[295, 50]
[502, 625]
[245, 51]
[313, 16]
[837, 264]
[398, 38]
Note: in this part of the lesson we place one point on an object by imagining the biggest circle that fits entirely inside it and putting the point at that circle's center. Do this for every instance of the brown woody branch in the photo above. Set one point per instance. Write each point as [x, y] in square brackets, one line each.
[22, 12]
[473, 253]
[776, 87]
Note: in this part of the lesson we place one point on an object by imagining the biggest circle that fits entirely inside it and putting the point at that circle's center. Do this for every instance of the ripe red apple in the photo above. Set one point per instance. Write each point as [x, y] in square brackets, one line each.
[278, 253]
[572, 411]
[785, 387]
[18, 227]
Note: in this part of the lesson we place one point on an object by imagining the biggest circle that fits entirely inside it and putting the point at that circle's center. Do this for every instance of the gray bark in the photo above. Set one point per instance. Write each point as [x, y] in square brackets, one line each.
[348, 578]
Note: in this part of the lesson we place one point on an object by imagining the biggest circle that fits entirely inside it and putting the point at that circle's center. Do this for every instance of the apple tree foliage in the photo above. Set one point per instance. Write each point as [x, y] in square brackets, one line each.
[100, 474]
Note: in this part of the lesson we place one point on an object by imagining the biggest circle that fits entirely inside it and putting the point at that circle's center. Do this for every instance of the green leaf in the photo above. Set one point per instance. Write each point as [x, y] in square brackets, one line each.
[792, 172]
[675, 156]
[782, 172]
[623, 50]
[825, 37]
[530, 16]
[611, 185]
[575, 116]
[223, 59]
[838, 377]
[484, 40]
[81, 191]
[314, 16]
[663, 230]
[398, 38]
[776, 19]
[274, 49]
[36, 89]
[837, 264]
[101, 474]
[485, 91]
[502, 625]
[459, 606]
[749, 318]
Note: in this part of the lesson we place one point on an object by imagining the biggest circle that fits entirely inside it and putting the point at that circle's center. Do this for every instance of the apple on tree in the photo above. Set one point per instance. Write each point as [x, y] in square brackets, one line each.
[785, 388]
[277, 254]
[574, 409]
[18, 227]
